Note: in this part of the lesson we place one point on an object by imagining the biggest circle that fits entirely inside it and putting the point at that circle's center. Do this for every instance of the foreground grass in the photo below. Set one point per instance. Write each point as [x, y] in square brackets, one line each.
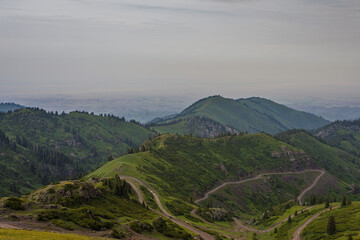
[347, 220]
[12, 234]
[286, 230]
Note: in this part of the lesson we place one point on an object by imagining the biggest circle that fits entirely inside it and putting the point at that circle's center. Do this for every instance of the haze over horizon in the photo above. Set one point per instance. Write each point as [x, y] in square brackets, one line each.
[276, 49]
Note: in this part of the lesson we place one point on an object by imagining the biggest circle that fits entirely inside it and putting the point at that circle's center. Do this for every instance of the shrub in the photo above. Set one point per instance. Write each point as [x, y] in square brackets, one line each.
[51, 190]
[63, 224]
[14, 203]
[13, 218]
[170, 229]
[116, 234]
[140, 227]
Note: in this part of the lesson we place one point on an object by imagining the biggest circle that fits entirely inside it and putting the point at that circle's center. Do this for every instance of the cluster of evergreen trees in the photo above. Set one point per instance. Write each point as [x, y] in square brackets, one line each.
[119, 187]
[45, 155]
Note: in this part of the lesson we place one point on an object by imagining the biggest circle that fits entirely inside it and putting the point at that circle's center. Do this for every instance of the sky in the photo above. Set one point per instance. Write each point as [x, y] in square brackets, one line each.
[236, 48]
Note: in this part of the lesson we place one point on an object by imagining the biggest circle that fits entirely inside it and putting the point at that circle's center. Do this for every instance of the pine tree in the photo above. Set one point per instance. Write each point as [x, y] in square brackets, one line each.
[331, 226]
[209, 204]
[343, 203]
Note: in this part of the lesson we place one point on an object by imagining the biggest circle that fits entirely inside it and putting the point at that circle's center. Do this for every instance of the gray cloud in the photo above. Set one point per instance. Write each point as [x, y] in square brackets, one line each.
[251, 47]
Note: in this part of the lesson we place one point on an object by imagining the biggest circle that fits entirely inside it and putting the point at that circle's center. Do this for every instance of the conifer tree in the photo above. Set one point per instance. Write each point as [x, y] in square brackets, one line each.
[343, 203]
[331, 226]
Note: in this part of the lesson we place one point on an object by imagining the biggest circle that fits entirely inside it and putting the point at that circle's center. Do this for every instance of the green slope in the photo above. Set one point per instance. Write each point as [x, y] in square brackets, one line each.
[186, 167]
[84, 139]
[347, 220]
[251, 115]
[285, 116]
[342, 134]
[339, 163]
[96, 207]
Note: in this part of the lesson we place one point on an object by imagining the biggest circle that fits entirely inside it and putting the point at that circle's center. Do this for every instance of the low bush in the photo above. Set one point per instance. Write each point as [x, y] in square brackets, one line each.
[170, 229]
[13, 218]
[14, 203]
[63, 224]
[140, 227]
[83, 217]
[116, 234]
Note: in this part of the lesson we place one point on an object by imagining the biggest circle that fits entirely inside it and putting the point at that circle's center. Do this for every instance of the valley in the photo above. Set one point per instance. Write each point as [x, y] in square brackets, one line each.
[136, 183]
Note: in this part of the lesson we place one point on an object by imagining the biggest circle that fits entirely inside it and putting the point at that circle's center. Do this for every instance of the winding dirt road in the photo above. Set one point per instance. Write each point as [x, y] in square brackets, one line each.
[300, 197]
[260, 176]
[238, 223]
[297, 233]
[302, 194]
[204, 235]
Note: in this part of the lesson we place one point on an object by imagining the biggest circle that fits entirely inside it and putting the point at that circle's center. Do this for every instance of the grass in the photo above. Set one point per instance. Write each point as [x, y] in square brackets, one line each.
[186, 167]
[347, 222]
[337, 162]
[286, 230]
[12, 234]
[251, 199]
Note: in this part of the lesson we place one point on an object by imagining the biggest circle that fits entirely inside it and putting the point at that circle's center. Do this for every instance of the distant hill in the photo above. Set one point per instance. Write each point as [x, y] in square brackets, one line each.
[342, 134]
[59, 146]
[250, 115]
[5, 107]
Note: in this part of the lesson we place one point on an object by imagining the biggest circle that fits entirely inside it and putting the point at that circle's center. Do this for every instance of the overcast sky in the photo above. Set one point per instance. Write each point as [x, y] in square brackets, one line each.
[237, 48]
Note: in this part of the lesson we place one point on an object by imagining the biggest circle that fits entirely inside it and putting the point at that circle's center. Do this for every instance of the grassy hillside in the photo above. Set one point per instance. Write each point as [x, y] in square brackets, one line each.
[51, 147]
[13, 234]
[342, 134]
[287, 117]
[347, 223]
[337, 162]
[247, 115]
[105, 207]
[186, 167]
[255, 197]
[287, 229]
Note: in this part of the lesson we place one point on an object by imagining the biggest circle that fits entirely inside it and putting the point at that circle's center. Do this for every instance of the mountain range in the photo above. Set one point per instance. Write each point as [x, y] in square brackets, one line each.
[229, 169]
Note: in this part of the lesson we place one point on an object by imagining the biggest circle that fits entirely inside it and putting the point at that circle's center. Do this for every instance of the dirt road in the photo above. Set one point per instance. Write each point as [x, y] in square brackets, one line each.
[297, 233]
[138, 192]
[301, 195]
[260, 176]
[5, 225]
[204, 235]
